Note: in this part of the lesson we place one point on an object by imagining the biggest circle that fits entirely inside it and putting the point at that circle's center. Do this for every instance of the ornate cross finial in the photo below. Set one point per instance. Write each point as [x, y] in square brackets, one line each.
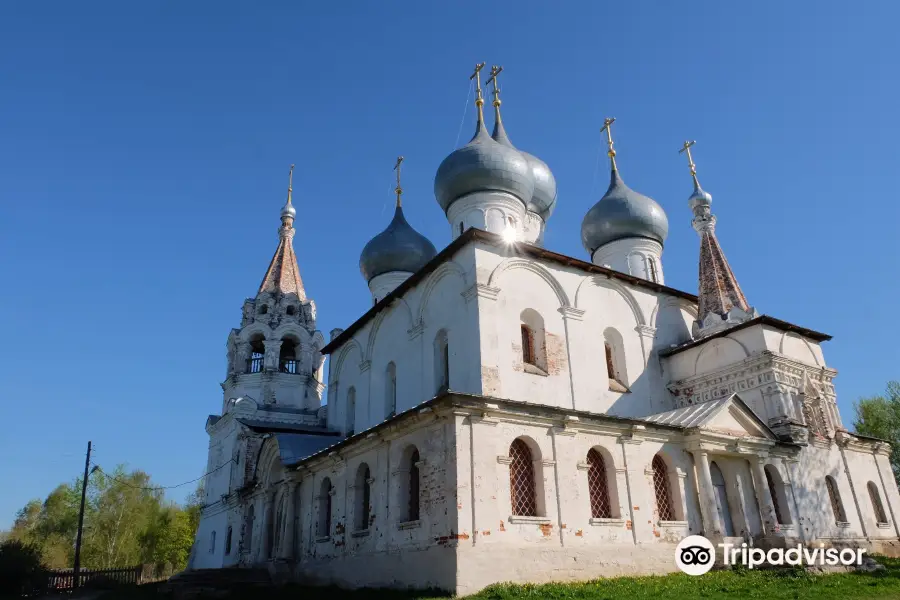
[399, 189]
[495, 70]
[686, 149]
[477, 77]
[607, 123]
[290, 182]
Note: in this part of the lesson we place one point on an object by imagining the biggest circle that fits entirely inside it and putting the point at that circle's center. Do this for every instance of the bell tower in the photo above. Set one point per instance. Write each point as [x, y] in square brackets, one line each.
[274, 356]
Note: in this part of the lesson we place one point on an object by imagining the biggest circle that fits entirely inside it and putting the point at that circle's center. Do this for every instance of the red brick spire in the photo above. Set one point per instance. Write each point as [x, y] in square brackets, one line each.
[283, 274]
[721, 303]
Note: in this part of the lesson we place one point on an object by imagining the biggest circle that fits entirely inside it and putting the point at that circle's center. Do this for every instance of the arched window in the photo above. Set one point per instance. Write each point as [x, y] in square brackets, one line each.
[256, 363]
[247, 534]
[324, 526]
[291, 311]
[363, 491]
[598, 486]
[228, 540]
[277, 524]
[875, 497]
[614, 350]
[441, 362]
[523, 496]
[837, 507]
[662, 490]
[263, 309]
[527, 345]
[212, 542]
[653, 269]
[390, 390]
[287, 358]
[461, 228]
[534, 347]
[779, 499]
[351, 410]
[408, 477]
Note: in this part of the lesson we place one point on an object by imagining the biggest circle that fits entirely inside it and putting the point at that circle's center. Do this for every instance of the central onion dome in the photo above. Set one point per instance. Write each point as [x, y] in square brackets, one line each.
[483, 165]
[622, 213]
[543, 199]
[397, 248]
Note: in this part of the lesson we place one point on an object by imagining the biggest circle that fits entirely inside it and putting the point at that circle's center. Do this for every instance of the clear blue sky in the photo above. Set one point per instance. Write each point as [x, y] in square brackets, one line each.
[144, 149]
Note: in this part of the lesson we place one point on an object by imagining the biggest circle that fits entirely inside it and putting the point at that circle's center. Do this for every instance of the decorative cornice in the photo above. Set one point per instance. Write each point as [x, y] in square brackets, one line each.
[481, 290]
[417, 329]
[646, 331]
[571, 313]
[364, 365]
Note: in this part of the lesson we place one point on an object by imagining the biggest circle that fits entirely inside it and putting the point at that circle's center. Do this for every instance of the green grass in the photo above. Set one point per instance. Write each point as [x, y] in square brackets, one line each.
[765, 585]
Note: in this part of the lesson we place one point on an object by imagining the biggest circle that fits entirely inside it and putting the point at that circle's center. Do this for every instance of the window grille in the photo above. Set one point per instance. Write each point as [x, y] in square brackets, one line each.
[521, 480]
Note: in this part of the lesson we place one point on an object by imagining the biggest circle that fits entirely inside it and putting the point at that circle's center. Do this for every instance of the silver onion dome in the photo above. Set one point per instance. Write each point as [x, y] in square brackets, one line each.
[397, 248]
[622, 213]
[483, 165]
[288, 210]
[543, 200]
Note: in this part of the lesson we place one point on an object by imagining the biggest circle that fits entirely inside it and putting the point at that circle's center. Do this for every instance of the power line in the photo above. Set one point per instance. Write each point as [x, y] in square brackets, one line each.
[161, 487]
[465, 110]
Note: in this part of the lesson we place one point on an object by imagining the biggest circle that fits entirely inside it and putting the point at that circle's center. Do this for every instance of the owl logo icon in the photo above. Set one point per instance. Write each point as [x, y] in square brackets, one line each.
[695, 555]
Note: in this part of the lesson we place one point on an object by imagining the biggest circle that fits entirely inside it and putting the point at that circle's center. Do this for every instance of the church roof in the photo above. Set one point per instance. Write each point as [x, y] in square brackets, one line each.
[473, 234]
[704, 415]
[283, 274]
[262, 426]
[816, 336]
[294, 447]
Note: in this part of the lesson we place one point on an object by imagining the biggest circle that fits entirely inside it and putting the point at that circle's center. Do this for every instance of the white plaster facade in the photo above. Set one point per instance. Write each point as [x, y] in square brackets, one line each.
[432, 391]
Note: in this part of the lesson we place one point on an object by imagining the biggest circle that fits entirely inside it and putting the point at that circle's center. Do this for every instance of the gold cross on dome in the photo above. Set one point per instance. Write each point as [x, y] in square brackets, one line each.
[495, 70]
[607, 127]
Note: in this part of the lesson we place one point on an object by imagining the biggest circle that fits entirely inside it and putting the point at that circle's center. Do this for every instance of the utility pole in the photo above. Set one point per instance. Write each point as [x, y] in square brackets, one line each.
[77, 569]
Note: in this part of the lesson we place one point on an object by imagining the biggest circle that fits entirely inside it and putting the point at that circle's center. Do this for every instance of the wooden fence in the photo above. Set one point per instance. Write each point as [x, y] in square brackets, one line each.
[63, 580]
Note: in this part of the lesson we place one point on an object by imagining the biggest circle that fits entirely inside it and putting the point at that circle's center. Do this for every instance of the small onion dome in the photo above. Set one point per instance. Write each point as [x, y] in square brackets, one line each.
[288, 210]
[397, 248]
[622, 213]
[700, 197]
[483, 165]
[543, 200]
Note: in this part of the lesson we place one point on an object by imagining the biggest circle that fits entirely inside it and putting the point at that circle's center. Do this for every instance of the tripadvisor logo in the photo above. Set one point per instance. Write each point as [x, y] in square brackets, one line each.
[695, 555]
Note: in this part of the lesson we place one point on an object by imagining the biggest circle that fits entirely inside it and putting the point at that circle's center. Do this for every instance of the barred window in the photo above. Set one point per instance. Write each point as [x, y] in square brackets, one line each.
[413, 503]
[837, 507]
[521, 480]
[875, 497]
[598, 486]
[325, 509]
[610, 369]
[663, 491]
[363, 493]
[228, 541]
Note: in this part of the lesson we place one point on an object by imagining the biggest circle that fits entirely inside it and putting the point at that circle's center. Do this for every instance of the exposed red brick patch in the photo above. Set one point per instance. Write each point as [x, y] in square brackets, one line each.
[546, 529]
[486, 532]
[579, 533]
[636, 507]
[502, 528]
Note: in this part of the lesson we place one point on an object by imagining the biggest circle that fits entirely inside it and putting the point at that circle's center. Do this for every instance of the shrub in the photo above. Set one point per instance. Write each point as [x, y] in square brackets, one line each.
[20, 568]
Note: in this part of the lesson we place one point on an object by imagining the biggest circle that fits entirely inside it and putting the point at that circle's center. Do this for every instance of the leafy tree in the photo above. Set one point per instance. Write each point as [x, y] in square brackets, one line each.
[879, 416]
[127, 522]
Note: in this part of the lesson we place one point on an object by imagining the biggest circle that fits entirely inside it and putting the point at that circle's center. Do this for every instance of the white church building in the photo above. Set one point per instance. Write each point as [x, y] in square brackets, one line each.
[507, 413]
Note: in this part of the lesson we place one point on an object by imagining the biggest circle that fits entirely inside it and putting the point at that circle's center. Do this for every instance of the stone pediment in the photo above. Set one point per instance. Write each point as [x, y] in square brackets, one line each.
[730, 416]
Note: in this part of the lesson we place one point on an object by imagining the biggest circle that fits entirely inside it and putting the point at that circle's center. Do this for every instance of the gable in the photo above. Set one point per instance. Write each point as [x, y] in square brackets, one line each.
[737, 419]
